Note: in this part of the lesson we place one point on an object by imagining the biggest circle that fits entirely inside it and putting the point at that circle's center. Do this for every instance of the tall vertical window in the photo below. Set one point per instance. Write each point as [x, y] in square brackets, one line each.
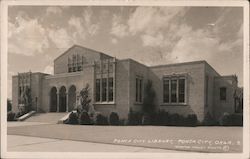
[138, 92]
[181, 90]
[98, 90]
[174, 90]
[166, 91]
[104, 89]
[110, 89]
[223, 93]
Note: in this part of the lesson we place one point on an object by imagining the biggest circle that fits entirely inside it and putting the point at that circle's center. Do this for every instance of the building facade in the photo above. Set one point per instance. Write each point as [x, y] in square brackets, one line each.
[118, 85]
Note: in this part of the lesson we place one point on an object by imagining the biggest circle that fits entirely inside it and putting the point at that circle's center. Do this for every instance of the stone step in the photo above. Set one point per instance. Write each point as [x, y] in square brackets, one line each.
[26, 116]
[46, 117]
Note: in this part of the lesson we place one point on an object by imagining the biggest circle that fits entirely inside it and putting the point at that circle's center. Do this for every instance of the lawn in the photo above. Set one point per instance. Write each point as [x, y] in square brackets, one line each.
[199, 139]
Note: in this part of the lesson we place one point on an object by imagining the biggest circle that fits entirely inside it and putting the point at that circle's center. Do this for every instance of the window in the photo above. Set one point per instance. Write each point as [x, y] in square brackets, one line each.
[75, 63]
[110, 90]
[223, 93]
[166, 91]
[138, 92]
[98, 90]
[181, 90]
[104, 89]
[174, 90]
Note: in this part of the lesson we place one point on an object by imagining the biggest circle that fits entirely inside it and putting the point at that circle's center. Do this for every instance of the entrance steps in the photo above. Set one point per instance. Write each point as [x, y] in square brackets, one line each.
[46, 117]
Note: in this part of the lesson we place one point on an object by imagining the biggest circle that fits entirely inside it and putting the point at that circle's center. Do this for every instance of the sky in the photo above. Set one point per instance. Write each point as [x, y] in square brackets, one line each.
[150, 35]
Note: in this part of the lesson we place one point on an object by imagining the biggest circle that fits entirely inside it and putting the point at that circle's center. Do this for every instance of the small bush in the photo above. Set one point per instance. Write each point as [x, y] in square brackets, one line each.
[134, 118]
[232, 120]
[11, 116]
[146, 120]
[209, 120]
[19, 114]
[122, 122]
[84, 118]
[101, 120]
[160, 118]
[191, 120]
[114, 119]
[73, 119]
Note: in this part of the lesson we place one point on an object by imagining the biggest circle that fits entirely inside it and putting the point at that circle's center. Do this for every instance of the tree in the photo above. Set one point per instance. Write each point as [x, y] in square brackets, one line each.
[149, 98]
[84, 99]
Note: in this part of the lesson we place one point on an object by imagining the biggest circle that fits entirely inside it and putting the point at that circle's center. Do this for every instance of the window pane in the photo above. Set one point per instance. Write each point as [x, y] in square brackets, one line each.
[223, 93]
[181, 90]
[140, 90]
[173, 91]
[111, 89]
[98, 89]
[166, 91]
[136, 90]
[104, 89]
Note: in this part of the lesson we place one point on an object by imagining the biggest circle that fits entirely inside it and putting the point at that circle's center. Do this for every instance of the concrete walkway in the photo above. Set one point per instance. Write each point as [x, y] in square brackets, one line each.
[108, 138]
[17, 143]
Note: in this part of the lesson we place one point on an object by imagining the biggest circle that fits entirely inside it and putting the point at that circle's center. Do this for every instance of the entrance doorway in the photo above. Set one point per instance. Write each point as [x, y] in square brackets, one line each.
[62, 99]
[72, 98]
[53, 99]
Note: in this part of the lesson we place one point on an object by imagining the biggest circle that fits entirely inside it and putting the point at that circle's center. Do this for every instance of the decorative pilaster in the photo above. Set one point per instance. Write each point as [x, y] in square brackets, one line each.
[67, 104]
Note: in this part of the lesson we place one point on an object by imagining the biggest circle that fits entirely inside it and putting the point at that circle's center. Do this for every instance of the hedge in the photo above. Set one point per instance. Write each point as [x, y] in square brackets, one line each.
[101, 120]
[232, 120]
[114, 119]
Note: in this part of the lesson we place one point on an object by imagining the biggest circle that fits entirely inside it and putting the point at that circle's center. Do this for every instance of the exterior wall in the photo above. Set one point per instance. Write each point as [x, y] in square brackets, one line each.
[141, 71]
[121, 95]
[79, 79]
[195, 87]
[211, 74]
[36, 91]
[220, 106]
[122, 85]
[61, 63]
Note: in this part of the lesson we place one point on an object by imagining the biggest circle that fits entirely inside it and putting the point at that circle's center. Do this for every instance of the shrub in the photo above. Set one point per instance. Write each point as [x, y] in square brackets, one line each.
[232, 120]
[19, 114]
[160, 118]
[146, 119]
[122, 122]
[179, 120]
[11, 116]
[84, 118]
[73, 118]
[114, 119]
[101, 120]
[209, 120]
[191, 120]
[134, 118]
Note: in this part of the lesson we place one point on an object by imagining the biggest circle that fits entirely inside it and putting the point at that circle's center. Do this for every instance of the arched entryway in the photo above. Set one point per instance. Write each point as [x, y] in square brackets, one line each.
[71, 98]
[53, 99]
[62, 99]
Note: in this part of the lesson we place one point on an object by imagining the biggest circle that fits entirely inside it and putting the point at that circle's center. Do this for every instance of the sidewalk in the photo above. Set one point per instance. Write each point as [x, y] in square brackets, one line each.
[20, 143]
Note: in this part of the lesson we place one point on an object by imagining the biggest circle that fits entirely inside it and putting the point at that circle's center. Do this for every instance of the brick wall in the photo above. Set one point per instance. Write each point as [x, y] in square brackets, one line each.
[195, 87]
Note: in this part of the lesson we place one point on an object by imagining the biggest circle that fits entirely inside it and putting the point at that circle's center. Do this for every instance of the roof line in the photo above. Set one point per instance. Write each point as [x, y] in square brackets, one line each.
[181, 63]
[75, 45]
